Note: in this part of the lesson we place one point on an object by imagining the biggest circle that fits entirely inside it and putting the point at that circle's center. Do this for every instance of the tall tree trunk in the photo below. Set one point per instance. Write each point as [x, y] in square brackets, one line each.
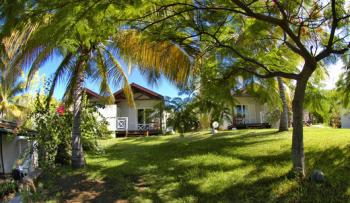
[78, 160]
[284, 114]
[298, 156]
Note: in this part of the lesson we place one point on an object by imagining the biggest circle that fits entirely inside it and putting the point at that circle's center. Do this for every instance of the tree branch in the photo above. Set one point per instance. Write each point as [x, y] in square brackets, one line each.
[282, 23]
[245, 58]
[328, 50]
[268, 75]
[341, 51]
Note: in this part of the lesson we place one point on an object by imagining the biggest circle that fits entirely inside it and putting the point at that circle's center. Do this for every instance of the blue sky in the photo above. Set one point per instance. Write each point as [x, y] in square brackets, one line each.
[164, 87]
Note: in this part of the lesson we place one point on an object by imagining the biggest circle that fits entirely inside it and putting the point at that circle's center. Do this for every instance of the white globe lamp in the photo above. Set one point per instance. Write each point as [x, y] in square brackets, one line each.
[214, 126]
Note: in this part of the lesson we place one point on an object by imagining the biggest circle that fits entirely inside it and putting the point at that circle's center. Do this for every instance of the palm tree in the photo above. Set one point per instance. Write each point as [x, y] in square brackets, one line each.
[89, 53]
[284, 113]
[11, 84]
[10, 87]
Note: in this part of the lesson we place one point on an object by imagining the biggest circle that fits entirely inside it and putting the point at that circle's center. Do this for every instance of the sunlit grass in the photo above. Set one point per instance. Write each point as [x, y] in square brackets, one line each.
[232, 166]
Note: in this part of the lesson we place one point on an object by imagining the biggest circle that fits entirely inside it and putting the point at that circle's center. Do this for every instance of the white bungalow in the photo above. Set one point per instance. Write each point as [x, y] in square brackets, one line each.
[125, 120]
[248, 112]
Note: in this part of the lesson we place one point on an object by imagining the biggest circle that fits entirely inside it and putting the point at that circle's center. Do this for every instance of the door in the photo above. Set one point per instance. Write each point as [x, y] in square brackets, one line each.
[241, 114]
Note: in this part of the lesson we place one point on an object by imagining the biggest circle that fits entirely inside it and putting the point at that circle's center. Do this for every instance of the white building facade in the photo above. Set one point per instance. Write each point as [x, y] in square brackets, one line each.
[144, 118]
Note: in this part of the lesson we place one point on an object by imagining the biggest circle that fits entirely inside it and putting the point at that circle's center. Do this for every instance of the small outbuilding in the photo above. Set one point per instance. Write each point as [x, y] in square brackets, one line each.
[14, 146]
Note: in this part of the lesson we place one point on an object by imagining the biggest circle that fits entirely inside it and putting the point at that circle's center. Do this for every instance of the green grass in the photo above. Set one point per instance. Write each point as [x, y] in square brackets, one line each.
[235, 166]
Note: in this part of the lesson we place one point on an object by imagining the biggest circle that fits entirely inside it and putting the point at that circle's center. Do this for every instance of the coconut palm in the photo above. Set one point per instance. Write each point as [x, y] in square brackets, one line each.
[11, 80]
[89, 45]
[284, 113]
[10, 87]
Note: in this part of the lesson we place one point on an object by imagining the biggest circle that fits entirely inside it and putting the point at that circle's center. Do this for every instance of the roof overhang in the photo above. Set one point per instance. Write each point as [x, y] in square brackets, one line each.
[119, 95]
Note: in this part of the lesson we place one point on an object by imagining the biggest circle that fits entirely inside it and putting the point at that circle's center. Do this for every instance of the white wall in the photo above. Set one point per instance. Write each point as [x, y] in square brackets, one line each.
[124, 110]
[109, 112]
[12, 148]
[255, 111]
[224, 124]
[345, 119]
[253, 108]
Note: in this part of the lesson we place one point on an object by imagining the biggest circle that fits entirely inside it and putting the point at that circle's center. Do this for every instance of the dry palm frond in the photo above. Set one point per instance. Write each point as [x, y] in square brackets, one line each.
[13, 47]
[103, 74]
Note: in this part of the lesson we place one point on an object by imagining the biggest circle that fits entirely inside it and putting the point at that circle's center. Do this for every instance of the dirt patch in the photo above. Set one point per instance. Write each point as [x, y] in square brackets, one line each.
[78, 188]
[140, 184]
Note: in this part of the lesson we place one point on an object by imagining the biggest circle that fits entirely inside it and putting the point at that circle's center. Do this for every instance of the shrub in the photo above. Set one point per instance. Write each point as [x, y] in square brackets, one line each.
[54, 126]
[7, 188]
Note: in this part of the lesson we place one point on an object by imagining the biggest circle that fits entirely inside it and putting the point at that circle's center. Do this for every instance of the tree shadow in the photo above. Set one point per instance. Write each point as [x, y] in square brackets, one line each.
[177, 169]
[160, 162]
[77, 187]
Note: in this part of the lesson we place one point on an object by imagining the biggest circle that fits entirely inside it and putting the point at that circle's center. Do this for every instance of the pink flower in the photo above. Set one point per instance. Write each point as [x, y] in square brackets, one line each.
[60, 110]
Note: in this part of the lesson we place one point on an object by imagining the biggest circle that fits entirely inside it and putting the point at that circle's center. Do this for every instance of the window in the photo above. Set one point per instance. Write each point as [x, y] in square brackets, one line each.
[141, 116]
[241, 114]
[145, 116]
[241, 111]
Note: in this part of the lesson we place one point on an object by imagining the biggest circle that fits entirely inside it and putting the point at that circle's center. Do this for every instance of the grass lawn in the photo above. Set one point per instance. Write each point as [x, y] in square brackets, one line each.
[235, 166]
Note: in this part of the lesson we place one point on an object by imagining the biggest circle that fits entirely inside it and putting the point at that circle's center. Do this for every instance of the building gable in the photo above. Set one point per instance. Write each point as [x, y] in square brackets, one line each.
[140, 93]
[91, 95]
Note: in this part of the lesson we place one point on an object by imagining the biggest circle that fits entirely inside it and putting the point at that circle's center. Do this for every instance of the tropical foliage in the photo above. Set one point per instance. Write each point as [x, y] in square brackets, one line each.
[314, 31]
[70, 31]
[53, 127]
[12, 83]
[7, 188]
[182, 117]
[263, 39]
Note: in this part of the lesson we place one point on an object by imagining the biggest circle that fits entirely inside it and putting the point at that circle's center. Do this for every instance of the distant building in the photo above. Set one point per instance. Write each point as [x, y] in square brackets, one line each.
[248, 113]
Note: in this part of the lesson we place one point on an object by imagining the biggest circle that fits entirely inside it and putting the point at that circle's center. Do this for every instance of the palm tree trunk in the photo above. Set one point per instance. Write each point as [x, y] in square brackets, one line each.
[78, 160]
[284, 114]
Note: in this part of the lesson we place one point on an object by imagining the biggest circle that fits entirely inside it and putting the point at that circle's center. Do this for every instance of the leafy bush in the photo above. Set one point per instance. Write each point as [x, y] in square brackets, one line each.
[273, 116]
[54, 126]
[7, 188]
[182, 117]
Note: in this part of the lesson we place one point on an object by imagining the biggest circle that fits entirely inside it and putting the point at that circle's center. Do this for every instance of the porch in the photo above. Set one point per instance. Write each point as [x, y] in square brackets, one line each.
[143, 129]
[240, 122]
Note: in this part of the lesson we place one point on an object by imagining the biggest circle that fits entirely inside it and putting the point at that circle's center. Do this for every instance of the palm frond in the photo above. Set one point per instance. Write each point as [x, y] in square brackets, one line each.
[160, 57]
[103, 73]
[17, 89]
[118, 72]
[66, 64]
[45, 54]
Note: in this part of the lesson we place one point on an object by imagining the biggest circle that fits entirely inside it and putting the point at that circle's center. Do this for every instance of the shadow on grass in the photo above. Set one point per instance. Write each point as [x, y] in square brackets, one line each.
[204, 169]
[65, 185]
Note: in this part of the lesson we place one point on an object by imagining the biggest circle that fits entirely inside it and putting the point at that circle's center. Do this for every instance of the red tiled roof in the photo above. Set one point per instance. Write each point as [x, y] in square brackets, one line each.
[119, 95]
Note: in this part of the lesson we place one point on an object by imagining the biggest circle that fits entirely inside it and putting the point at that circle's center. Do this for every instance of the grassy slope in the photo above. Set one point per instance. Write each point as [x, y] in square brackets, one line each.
[244, 166]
